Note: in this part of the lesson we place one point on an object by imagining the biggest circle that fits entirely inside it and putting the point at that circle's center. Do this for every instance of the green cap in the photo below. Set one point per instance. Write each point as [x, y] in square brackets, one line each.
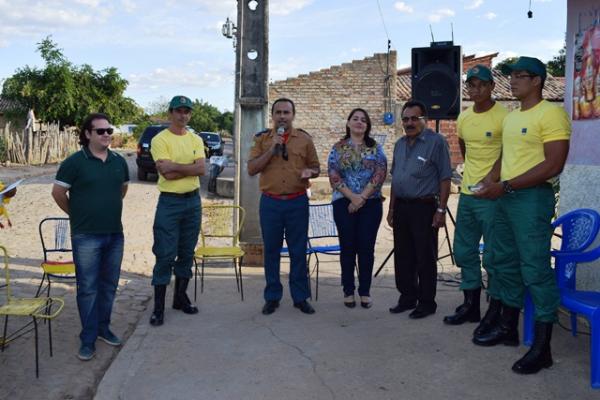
[529, 64]
[481, 72]
[179, 102]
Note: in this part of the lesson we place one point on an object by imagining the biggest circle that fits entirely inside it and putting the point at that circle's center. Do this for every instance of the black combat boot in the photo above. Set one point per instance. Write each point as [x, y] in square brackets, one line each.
[180, 299]
[468, 311]
[505, 332]
[158, 314]
[490, 319]
[539, 355]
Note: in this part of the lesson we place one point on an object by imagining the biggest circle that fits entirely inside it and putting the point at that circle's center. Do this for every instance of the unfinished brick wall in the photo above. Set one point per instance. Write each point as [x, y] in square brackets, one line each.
[325, 98]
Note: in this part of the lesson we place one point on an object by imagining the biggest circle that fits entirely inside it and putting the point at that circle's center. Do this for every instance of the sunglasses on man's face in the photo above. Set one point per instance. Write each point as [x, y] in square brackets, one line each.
[102, 131]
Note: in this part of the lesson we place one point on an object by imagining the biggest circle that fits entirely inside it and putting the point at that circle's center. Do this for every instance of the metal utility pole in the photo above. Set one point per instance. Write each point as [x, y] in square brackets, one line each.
[251, 112]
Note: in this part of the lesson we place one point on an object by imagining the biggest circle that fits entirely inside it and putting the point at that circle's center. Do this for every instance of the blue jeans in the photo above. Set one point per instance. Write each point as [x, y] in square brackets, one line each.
[357, 233]
[289, 218]
[97, 260]
[176, 229]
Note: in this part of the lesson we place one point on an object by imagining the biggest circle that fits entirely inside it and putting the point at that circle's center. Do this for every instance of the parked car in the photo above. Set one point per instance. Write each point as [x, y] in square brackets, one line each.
[144, 160]
[214, 142]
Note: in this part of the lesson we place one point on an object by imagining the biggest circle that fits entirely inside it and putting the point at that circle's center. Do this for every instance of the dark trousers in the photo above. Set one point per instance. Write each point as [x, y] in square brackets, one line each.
[415, 252]
[176, 229]
[357, 233]
[289, 218]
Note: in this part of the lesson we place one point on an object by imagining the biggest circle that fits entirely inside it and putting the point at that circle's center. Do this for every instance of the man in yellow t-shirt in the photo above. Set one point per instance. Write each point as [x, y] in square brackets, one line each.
[179, 157]
[535, 144]
[480, 139]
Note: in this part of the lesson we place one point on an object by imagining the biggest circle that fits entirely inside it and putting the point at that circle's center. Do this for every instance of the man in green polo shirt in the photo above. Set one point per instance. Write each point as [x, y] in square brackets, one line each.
[179, 156]
[535, 144]
[89, 187]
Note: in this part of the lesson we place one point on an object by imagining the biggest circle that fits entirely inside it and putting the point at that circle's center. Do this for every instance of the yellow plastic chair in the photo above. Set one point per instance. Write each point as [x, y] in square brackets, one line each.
[219, 235]
[45, 308]
[56, 242]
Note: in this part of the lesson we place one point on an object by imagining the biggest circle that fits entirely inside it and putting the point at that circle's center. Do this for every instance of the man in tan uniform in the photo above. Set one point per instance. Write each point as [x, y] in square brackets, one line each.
[286, 158]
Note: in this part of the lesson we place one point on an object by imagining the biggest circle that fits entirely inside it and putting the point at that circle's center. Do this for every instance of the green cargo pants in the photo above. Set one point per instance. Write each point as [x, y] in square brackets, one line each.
[474, 219]
[520, 250]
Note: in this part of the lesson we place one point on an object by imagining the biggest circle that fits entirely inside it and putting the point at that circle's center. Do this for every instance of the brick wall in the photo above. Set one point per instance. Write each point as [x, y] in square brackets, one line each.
[325, 98]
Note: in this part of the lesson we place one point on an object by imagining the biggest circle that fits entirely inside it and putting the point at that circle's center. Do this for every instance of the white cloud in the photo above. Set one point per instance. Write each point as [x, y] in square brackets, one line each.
[437, 16]
[503, 55]
[474, 5]
[286, 7]
[403, 7]
[90, 3]
[161, 78]
[129, 5]
[490, 15]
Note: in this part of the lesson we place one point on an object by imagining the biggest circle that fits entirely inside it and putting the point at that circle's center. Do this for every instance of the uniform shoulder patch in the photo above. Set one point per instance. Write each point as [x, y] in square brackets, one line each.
[258, 134]
[303, 131]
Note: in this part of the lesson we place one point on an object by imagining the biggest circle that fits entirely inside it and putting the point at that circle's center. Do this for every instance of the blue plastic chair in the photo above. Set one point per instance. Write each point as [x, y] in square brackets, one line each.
[579, 229]
[322, 237]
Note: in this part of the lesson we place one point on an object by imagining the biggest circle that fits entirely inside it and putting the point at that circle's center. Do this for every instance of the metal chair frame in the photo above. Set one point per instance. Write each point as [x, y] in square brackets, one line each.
[209, 231]
[61, 244]
[36, 308]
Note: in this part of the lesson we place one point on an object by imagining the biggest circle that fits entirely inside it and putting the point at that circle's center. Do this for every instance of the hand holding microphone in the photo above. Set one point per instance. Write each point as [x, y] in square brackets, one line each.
[280, 148]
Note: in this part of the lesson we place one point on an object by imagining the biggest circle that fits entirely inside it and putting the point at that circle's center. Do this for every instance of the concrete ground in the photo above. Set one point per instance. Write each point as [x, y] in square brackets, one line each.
[231, 351]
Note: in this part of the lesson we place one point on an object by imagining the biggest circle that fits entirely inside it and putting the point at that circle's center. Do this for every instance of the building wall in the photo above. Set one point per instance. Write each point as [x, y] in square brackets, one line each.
[325, 98]
[579, 181]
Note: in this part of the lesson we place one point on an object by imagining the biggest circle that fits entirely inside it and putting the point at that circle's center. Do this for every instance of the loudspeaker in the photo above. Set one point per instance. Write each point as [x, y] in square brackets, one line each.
[436, 79]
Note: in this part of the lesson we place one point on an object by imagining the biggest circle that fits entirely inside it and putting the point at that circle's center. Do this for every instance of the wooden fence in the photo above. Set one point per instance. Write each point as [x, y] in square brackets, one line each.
[42, 144]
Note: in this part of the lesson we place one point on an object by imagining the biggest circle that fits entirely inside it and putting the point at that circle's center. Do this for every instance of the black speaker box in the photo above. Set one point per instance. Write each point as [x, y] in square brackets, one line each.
[436, 80]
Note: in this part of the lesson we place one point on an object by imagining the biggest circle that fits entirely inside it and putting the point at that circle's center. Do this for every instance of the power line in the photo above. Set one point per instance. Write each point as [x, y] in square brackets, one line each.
[383, 21]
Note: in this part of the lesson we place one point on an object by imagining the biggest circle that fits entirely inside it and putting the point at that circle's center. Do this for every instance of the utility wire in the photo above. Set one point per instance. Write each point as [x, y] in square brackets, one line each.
[383, 20]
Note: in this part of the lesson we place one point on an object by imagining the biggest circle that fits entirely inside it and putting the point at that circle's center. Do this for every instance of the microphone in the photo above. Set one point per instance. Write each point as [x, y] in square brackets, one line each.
[280, 132]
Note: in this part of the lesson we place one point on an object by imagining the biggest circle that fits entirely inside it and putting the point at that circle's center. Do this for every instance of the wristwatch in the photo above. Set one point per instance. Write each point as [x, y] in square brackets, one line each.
[441, 210]
[507, 187]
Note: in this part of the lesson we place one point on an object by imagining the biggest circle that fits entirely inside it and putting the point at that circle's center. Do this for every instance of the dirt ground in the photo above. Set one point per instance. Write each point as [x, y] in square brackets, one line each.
[63, 376]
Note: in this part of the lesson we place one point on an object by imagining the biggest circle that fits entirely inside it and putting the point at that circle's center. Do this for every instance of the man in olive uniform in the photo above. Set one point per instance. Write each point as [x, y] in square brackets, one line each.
[286, 158]
[535, 144]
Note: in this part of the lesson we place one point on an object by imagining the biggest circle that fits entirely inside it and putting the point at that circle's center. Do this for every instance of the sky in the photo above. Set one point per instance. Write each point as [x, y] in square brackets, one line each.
[167, 47]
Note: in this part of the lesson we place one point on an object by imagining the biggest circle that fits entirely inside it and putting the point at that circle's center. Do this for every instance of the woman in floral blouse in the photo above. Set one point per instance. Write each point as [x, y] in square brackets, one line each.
[357, 168]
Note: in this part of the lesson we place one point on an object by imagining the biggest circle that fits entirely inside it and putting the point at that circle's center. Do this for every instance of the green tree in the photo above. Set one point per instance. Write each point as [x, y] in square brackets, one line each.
[225, 121]
[509, 60]
[556, 66]
[67, 93]
[205, 117]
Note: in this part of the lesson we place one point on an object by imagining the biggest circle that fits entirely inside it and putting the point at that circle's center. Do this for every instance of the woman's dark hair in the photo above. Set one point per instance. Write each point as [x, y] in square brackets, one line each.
[369, 141]
[87, 126]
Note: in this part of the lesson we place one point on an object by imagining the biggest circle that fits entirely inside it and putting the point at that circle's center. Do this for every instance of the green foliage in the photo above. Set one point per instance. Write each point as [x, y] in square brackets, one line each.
[225, 121]
[204, 117]
[556, 66]
[3, 150]
[509, 60]
[67, 93]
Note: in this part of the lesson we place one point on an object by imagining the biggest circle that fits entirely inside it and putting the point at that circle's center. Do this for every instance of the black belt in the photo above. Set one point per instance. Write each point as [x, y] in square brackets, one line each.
[423, 200]
[188, 194]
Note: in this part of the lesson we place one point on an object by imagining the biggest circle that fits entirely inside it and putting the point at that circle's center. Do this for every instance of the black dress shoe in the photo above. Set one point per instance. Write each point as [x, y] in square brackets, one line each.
[270, 307]
[305, 307]
[401, 307]
[421, 312]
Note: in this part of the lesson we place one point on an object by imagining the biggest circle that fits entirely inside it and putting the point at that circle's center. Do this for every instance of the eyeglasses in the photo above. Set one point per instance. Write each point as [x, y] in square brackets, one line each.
[521, 76]
[183, 110]
[102, 131]
[412, 119]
